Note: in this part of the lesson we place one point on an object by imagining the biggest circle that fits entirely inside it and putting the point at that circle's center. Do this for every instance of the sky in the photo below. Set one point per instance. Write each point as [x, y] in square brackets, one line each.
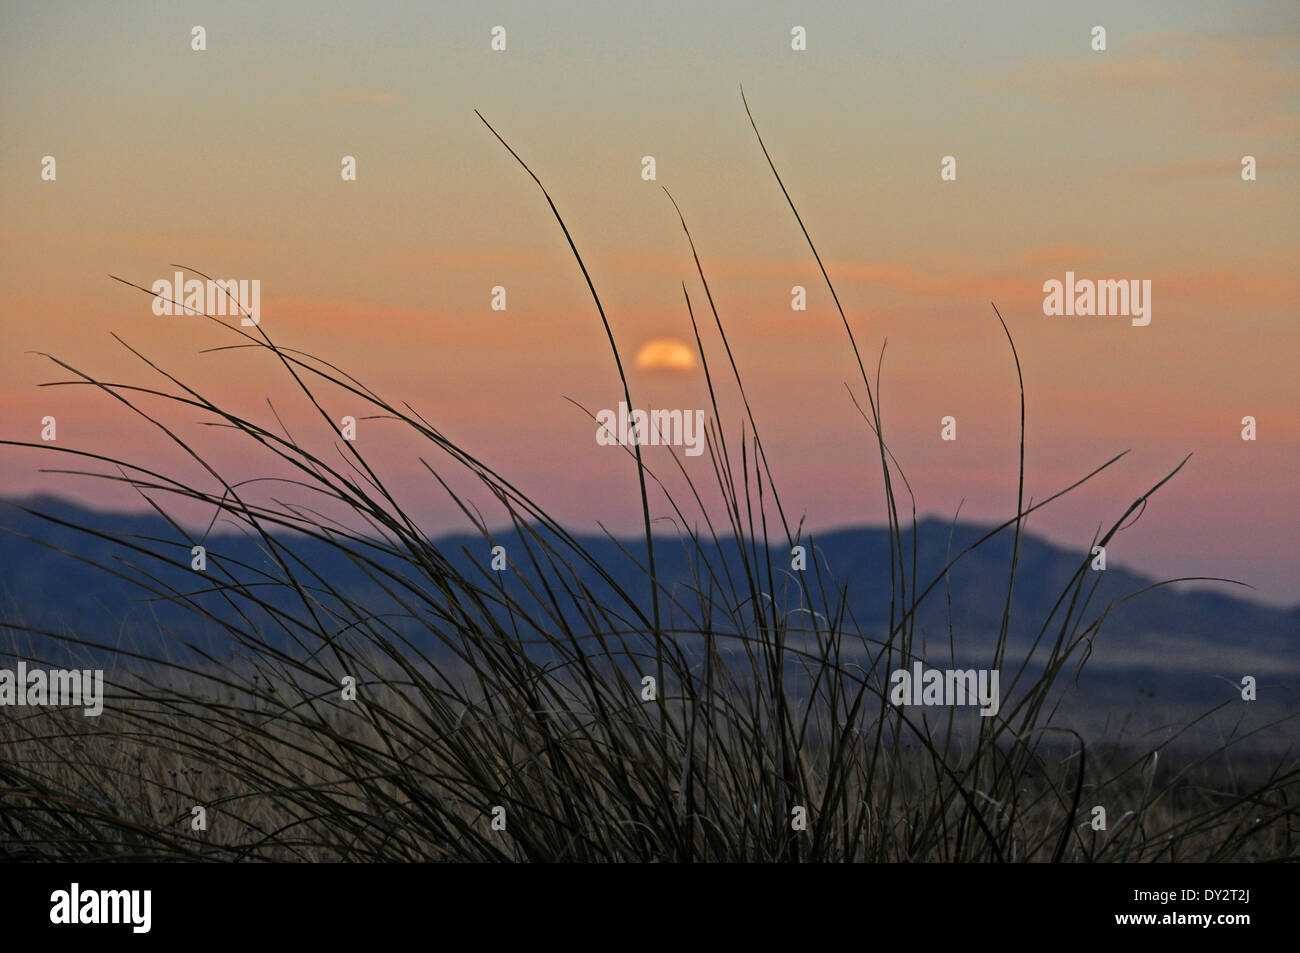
[1117, 164]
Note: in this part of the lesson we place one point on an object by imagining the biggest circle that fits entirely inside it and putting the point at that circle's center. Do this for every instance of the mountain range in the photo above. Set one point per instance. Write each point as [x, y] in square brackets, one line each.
[1168, 651]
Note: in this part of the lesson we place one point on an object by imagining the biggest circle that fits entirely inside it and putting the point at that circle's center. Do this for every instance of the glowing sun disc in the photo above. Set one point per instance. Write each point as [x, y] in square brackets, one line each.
[665, 354]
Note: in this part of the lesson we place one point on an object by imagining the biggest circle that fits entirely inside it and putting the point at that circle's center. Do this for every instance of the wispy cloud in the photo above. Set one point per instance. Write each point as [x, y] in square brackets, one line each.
[1242, 82]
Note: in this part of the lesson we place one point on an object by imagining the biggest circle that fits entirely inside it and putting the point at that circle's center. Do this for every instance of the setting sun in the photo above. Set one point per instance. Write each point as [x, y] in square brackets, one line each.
[665, 354]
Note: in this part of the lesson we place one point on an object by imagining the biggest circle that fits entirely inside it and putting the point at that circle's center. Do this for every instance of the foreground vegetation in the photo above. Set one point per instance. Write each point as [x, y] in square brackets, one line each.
[543, 740]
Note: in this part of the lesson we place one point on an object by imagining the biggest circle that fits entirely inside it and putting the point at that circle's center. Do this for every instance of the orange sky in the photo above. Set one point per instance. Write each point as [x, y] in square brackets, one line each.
[1122, 164]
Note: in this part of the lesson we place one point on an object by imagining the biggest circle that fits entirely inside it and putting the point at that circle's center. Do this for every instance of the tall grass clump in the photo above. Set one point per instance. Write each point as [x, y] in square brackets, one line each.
[521, 697]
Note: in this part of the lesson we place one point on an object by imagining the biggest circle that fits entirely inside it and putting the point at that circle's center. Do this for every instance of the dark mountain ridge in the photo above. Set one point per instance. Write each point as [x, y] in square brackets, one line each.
[1188, 646]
